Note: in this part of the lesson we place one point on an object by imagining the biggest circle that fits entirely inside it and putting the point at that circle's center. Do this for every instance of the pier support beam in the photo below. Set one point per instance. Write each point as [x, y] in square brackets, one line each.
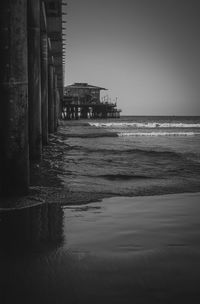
[76, 113]
[14, 171]
[57, 107]
[34, 77]
[56, 102]
[84, 112]
[73, 112]
[51, 94]
[44, 75]
[68, 113]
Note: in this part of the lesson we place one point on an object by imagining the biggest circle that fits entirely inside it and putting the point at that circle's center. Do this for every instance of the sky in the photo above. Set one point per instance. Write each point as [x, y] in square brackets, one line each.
[145, 52]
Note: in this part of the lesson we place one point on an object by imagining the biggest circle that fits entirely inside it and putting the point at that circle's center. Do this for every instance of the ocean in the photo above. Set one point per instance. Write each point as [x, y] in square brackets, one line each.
[133, 155]
[121, 227]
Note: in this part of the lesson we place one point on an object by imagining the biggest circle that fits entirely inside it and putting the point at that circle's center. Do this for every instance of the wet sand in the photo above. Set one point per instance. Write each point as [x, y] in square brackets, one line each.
[121, 250]
[138, 250]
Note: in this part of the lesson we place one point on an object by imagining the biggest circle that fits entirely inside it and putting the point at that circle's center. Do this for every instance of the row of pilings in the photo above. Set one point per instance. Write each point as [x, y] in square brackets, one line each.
[29, 97]
[98, 111]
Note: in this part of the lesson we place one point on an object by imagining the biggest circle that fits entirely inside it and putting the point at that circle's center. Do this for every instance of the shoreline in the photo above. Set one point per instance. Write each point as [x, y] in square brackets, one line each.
[58, 178]
[20, 205]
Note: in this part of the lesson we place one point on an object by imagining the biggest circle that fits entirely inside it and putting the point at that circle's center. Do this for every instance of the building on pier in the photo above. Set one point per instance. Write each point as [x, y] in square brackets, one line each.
[82, 100]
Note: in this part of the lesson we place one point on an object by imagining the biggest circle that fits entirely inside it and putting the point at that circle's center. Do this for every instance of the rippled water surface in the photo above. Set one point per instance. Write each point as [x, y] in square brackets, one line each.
[133, 155]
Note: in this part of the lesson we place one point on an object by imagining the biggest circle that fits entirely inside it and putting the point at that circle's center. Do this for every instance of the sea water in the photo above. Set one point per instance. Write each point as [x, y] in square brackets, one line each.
[140, 249]
[133, 155]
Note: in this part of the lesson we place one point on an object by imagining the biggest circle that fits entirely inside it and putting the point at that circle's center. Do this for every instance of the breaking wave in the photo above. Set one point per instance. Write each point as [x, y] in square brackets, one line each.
[158, 134]
[138, 125]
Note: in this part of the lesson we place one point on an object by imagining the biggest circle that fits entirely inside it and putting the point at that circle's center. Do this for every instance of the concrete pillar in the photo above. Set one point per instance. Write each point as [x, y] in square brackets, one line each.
[50, 93]
[76, 113]
[14, 171]
[82, 113]
[58, 106]
[34, 77]
[73, 112]
[68, 112]
[44, 75]
[92, 112]
[55, 102]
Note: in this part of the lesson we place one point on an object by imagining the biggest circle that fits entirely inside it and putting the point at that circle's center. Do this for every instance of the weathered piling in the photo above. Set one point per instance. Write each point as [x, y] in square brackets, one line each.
[55, 103]
[30, 83]
[58, 106]
[34, 77]
[76, 113]
[44, 75]
[14, 171]
[50, 91]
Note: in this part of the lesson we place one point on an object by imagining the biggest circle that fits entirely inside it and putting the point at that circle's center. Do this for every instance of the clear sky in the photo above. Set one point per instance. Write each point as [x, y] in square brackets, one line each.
[145, 52]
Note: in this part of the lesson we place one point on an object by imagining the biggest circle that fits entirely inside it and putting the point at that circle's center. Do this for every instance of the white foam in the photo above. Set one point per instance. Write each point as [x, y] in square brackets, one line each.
[159, 134]
[151, 125]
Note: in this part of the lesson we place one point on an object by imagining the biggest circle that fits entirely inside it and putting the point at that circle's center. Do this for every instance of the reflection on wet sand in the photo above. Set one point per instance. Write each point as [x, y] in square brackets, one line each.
[30, 239]
[35, 228]
[120, 251]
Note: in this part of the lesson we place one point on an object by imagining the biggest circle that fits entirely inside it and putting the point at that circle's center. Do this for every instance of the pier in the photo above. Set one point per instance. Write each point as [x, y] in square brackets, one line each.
[82, 101]
[31, 85]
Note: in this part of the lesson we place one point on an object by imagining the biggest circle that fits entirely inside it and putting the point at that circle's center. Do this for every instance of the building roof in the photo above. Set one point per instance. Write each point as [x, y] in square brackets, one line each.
[83, 85]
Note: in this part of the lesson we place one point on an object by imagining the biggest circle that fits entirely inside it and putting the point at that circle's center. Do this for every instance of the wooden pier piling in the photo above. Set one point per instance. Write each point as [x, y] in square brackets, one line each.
[34, 77]
[51, 94]
[31, 86]
[44, 75]
[55, 88]
[14, 171]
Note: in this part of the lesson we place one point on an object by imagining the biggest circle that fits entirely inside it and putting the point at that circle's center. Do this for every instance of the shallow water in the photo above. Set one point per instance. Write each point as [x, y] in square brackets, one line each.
[98, 160]
[120, 250]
